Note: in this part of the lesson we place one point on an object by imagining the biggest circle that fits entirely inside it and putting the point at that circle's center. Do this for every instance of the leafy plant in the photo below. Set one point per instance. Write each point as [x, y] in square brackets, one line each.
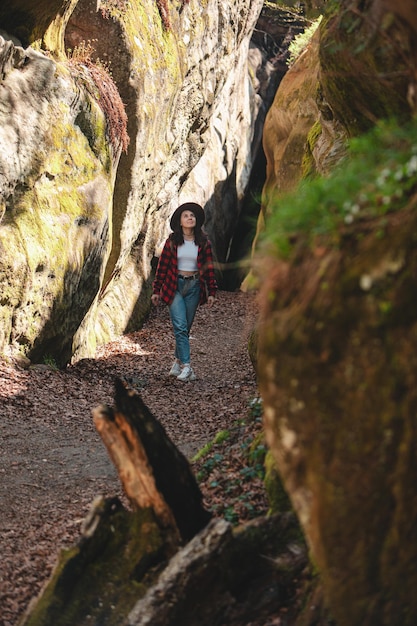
[50, 362]
[378, 175]
[301, 41]
[230, 468]
[255, 407]
[113, 8]
[230, 515]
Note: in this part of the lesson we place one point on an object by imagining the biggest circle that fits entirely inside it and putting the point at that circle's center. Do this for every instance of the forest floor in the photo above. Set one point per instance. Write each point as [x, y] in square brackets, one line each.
[53, 463]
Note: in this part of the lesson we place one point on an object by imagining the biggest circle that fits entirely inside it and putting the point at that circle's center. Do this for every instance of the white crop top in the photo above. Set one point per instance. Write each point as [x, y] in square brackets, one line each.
[187, 257]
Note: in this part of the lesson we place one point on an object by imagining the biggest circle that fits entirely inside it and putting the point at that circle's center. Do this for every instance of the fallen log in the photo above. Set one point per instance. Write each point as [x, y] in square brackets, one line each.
[229, 576]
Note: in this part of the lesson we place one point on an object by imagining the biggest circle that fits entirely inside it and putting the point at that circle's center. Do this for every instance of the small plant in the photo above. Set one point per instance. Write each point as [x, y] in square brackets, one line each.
[257, 453]
[230, 468]
[209, 465]
[255, 408]
[230, 515]
[82, 53]
[113, 8]
[50, 362]
[301, 41]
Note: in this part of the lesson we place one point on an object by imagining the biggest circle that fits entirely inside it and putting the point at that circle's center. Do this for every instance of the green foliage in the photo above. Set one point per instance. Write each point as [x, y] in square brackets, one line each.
[230, 468]
[230, 515]
[257, 452]
[378, 175]
[220, 437]
[255, 408]
[50, 362]
[254, 451]
[209, 465]
[301, 41]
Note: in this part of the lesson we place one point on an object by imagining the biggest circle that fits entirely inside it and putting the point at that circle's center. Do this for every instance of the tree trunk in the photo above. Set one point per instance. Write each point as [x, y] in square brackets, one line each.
[152, 470]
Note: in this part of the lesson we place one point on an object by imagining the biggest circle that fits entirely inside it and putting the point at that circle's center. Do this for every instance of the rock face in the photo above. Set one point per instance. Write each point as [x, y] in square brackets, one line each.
[56, 196]
[338, 379]
[62, 182]
[338, 88]
[301, 136]
[298, 139]
[338, 329]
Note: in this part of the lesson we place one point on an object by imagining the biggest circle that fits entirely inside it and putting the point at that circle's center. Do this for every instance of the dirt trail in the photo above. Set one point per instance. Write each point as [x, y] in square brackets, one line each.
[53, 463]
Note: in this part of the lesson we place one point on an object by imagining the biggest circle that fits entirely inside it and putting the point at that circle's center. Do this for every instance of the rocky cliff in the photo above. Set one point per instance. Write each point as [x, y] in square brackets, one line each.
[88, 182]
[339, 323]
[358, 68]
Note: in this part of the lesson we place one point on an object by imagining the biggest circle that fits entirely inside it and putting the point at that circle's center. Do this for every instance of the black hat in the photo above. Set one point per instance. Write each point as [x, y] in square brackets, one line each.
[188, 206]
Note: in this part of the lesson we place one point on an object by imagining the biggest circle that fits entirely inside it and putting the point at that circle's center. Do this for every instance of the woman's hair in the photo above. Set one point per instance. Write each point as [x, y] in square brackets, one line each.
[177, 236]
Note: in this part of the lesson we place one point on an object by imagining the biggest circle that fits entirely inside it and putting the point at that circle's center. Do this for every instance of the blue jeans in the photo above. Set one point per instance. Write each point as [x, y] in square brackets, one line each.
[182, 311]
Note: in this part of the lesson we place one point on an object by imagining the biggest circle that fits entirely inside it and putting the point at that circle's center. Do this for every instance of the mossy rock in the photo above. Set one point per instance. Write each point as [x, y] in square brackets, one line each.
[99, 580]
[279, 501]
[337, 373]
[359, 48]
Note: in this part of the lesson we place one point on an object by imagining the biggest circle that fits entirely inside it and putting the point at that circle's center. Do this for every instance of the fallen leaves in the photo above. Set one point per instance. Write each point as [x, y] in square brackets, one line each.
[53, 463]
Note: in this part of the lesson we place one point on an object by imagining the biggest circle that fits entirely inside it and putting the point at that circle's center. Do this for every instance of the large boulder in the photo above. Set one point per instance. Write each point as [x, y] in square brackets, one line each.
[57, 172]
[301, 136]
[338, 328]
[338, 378]
[357, 69]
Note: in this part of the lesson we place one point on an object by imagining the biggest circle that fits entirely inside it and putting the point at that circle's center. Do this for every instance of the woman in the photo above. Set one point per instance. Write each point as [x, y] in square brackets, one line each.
[184, 279]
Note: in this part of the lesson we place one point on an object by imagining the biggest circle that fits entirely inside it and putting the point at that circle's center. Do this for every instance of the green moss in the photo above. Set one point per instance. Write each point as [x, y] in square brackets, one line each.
[353, 46]
[308, 167]
[376, 178]
[39, 216]
[314, 134]
[40, 231]
[220, 437]
[69, 149]
[279, 501]
[257, 449]
[44, 209]
[100, 580]
[158, 46]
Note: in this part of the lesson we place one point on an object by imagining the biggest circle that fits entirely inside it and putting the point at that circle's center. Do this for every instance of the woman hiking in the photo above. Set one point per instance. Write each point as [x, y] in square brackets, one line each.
[184, 279]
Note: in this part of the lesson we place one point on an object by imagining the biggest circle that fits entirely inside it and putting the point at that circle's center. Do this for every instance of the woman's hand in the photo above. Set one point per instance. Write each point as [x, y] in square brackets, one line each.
[155, 299]
[210, 301]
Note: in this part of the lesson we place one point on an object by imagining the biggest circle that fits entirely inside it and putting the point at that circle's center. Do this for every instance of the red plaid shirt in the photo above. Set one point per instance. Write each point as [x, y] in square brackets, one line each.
[165, 283]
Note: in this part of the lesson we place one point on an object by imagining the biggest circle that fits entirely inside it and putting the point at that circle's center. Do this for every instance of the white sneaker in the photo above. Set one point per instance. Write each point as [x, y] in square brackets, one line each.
[186, 374]
[175, 369]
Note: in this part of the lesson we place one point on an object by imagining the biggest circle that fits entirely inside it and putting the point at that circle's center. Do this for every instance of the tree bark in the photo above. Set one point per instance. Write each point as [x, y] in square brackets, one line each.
[152, 470]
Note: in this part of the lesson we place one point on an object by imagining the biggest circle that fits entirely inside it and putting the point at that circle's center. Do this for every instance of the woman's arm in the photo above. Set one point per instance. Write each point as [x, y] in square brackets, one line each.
[208, 274]
[161, 270]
